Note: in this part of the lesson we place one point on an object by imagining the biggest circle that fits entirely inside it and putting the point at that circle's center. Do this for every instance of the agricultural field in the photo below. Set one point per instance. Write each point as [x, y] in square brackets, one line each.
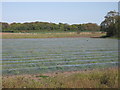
[36, 56]
[36, 61]
[59, 45]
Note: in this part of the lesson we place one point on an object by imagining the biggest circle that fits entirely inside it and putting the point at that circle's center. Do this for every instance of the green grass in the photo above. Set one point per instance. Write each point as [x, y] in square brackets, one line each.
[115, 38]
[43, 76]
[98, 78]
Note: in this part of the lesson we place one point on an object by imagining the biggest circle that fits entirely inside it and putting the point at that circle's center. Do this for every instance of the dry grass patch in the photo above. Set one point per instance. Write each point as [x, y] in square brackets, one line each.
[99, 78]
[50, 35]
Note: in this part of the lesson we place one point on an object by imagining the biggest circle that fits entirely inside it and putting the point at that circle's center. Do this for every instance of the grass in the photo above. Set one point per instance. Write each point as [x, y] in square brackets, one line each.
[43, 76]
[110, 37]
[98, 78]
[50, 35]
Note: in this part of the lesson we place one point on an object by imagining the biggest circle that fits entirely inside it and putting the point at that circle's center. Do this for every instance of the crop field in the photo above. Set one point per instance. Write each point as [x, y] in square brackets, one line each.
[36, 56]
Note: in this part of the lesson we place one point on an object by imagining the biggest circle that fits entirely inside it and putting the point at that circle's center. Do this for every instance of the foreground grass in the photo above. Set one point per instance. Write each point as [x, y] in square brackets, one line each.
[50, 35]
[98, 78]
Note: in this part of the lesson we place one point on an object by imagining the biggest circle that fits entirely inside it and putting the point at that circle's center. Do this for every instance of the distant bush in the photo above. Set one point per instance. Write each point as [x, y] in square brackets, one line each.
[48, 27]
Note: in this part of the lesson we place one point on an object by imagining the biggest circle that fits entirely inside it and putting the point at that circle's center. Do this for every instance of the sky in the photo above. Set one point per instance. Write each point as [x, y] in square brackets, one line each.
[56, 12]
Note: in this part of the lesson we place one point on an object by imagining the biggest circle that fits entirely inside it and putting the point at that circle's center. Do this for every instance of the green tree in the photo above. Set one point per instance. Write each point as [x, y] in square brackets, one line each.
[111, 23]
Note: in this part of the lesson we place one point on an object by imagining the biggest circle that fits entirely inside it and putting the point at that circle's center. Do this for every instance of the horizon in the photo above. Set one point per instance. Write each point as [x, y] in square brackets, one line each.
[56, 12]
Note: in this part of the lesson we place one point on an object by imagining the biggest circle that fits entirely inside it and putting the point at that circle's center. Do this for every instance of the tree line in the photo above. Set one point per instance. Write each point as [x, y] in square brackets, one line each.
[110, 25]
[46, 26]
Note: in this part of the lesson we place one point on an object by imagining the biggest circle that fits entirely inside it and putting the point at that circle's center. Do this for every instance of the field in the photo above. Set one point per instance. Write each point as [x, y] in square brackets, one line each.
[73, 60]
[50, 35]
[20, 56]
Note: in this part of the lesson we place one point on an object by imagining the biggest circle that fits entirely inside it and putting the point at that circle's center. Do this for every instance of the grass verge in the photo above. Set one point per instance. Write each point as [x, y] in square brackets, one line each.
[98, 78]
[50, 35]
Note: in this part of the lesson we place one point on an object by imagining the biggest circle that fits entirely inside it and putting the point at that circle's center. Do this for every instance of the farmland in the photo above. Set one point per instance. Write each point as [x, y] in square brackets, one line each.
[29, 56]
[42, 62]
[59, 45]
